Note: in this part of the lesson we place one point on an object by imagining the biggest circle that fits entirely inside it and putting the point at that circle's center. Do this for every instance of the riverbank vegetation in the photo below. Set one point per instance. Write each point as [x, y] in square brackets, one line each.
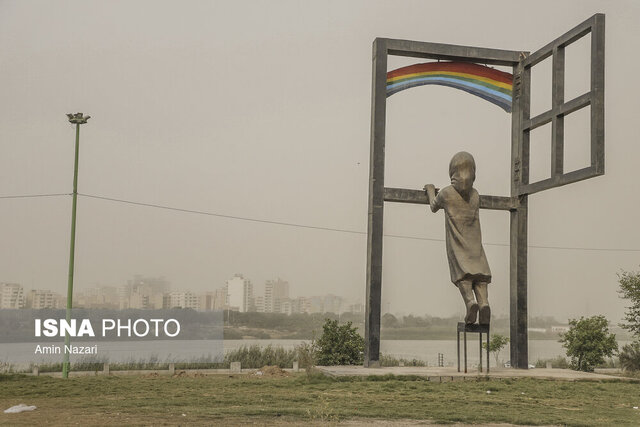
[250, 357]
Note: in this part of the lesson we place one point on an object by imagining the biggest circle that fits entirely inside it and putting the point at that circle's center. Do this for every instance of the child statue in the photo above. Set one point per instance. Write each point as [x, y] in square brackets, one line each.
[467, 261]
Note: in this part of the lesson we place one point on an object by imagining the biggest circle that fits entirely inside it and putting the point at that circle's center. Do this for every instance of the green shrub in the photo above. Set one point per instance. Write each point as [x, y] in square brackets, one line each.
[386, 360]
[588, 341]
[256, 357]
[306, 353]
[339, 345]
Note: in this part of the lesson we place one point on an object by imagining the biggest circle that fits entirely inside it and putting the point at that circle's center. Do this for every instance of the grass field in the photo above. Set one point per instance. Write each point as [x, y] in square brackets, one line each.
[241, 399]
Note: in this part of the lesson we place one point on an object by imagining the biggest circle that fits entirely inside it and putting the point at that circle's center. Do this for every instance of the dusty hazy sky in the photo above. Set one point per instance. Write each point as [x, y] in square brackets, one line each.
[262, 110]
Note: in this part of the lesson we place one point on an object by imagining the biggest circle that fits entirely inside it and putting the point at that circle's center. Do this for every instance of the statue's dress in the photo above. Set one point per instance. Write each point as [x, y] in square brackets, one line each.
[467, 260]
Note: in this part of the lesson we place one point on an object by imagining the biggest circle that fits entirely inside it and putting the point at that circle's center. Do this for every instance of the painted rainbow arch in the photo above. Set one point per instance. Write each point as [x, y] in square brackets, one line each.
[487, 83]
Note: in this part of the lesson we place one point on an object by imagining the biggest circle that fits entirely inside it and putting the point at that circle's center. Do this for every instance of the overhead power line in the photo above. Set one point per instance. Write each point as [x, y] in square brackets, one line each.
[26, 196]
[312, 227]
[264, 221]
[340, 230]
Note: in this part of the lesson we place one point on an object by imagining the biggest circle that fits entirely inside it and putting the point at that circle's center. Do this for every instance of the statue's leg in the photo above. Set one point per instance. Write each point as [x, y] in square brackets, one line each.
[466, 290]
[482, 296]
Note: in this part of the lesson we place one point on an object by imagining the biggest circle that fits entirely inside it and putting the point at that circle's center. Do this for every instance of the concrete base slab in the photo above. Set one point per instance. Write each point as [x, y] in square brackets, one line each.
[452, 374]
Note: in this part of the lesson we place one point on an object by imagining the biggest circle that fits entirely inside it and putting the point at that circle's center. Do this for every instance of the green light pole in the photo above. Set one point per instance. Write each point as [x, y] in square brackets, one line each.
[77, 119]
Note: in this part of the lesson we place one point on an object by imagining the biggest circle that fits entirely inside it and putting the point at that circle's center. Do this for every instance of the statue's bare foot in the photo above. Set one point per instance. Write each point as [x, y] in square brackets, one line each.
[485, 315]
[472, 314]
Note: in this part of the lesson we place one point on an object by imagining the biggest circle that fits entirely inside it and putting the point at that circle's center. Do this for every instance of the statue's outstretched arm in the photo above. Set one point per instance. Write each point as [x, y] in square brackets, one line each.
[431, 197]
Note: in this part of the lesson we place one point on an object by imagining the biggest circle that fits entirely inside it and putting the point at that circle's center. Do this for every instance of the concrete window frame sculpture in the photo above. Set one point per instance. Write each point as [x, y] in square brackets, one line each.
[513, 96]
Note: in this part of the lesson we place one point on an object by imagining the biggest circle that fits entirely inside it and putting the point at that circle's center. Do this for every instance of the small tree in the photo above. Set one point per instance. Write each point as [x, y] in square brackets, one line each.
[339, 345]
[630, 357]
[588, 341]
[496, 343]
[630, 290]
[389, 321]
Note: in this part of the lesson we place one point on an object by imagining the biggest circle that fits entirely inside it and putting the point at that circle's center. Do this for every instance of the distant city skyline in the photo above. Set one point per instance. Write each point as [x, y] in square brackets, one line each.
[141, 292]
[112, 296]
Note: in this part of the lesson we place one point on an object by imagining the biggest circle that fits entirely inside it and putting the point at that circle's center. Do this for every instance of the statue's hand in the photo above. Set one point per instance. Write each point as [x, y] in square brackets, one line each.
[431, 192]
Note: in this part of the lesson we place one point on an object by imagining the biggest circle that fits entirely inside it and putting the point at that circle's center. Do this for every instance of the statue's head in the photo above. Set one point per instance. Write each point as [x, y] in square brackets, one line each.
[462, 171]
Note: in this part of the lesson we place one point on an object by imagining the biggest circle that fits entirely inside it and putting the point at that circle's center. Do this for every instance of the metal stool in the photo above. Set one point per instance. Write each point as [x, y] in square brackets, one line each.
[479, 329]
